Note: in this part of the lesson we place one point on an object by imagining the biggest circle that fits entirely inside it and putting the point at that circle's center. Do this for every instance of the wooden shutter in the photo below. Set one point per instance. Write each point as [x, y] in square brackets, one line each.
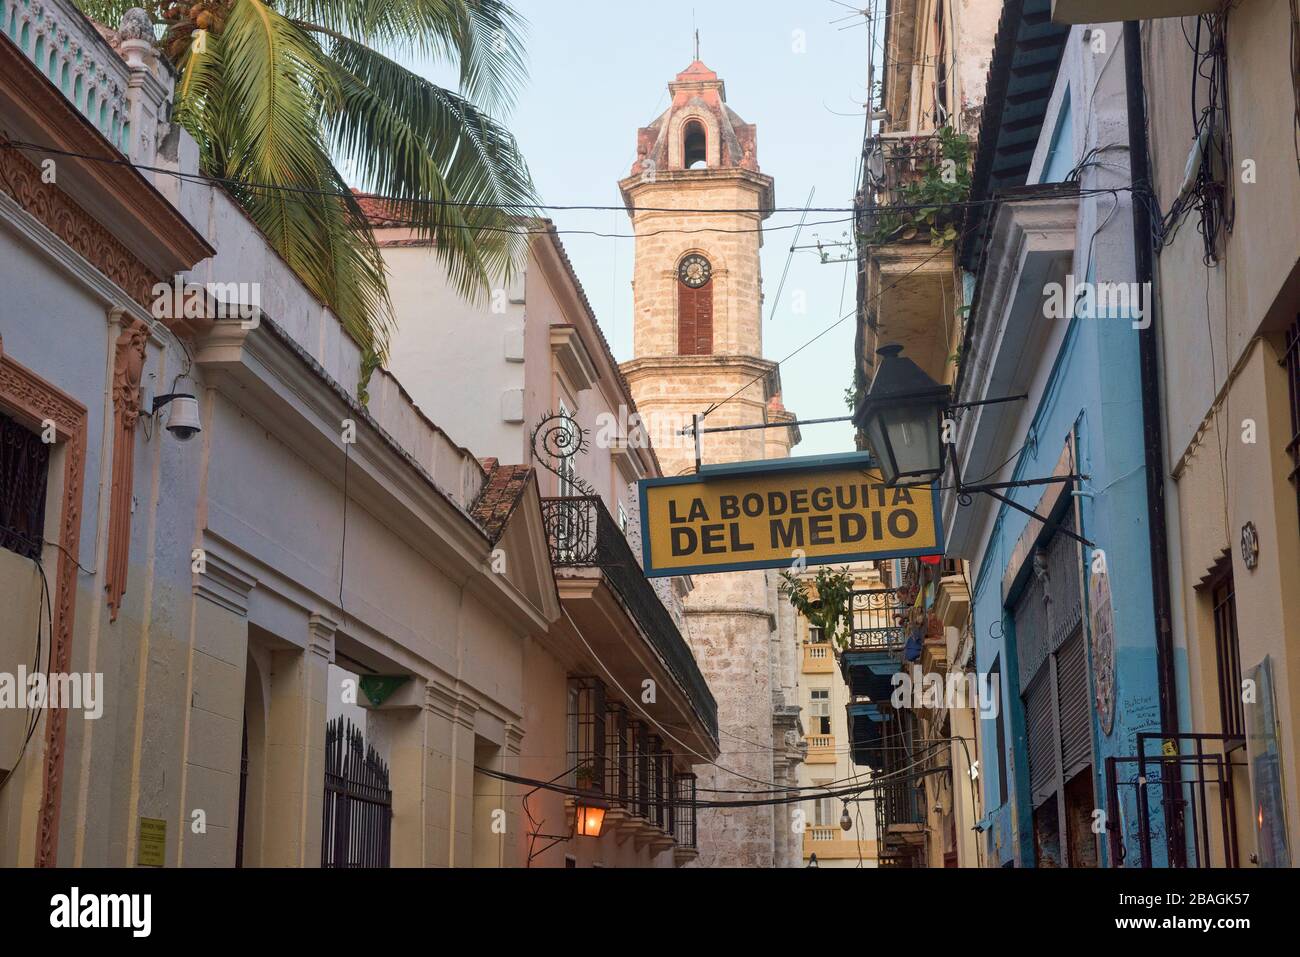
[695, 320]
[1072, 700]
[1040, 737]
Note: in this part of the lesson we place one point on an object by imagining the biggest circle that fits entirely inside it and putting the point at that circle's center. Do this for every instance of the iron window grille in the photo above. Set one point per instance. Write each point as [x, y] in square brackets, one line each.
[667, 793]
[656, 781]
[620, 774]
[640, 778]
[586, 726]
[24, 474]
[684, 812]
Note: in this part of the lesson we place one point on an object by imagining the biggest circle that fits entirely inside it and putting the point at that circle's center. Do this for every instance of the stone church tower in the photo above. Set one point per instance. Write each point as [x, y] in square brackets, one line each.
[697, 201]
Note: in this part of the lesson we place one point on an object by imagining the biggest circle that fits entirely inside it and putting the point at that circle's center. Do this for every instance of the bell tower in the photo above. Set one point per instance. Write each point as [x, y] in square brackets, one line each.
[697, 201]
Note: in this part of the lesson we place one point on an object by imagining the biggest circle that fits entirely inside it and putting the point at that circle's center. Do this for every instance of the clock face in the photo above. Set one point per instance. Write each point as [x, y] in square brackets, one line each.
[694, 271]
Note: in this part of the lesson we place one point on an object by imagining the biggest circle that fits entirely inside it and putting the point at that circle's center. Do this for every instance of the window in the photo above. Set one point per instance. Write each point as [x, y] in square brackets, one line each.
[695, 306]
[824, 809]
[815, 636]
[622, 519]
[586, 733]
[1227, 653]
[24, 470]
[694, 146]
[820, 709]
[684, 816]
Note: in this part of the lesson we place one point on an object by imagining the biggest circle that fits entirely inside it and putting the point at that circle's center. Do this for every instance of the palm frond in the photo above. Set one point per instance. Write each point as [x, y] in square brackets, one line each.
[255, 99]
[484, 38]
[455, 174]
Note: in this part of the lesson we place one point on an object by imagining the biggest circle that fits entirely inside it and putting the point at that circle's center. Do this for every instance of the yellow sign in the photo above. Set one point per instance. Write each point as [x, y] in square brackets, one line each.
[153, 842]
[770, 514]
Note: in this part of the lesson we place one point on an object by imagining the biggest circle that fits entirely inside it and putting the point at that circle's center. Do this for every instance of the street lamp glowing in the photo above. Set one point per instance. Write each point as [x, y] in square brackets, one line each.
[589, 820]
[900, 419]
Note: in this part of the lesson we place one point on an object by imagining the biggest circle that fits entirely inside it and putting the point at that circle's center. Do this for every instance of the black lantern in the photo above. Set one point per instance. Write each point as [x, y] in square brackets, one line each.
[900, 417]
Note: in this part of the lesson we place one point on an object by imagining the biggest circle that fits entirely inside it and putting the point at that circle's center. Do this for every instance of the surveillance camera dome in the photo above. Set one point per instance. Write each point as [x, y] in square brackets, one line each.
[183, 420]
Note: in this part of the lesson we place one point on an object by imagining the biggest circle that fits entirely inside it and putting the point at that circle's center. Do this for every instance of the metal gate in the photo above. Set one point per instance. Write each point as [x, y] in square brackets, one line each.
[358, 816]
[1200, 804]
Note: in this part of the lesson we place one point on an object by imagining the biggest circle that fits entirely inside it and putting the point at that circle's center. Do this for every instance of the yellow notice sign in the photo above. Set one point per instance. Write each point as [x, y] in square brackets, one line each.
[152, 850]
[769, 514]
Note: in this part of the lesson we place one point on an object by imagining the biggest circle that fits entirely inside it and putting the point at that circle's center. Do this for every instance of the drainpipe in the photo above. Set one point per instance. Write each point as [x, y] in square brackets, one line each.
[1143, 256]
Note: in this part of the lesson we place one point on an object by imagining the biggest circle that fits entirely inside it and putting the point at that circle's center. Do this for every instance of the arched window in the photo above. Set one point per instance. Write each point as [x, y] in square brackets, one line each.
[694, 306]
[694, 146]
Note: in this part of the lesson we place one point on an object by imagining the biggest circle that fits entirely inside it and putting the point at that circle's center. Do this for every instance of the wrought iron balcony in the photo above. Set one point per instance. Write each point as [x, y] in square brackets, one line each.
[894, 161]
[878, 615]
[582, 534]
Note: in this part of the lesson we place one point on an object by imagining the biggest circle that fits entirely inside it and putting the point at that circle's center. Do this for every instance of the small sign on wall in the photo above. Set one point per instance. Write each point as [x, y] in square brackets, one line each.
[152, 846]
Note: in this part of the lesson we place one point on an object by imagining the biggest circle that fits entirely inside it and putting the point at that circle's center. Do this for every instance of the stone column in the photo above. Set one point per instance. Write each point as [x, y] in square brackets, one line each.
[450, 785]
[295, 749]
[407, 731]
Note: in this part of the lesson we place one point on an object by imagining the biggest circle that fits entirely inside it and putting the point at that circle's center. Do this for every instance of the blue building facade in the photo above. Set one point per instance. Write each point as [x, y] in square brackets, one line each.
[1067, 627]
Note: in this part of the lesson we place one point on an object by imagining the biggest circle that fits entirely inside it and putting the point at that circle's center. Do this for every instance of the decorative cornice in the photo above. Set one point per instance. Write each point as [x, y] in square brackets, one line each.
[37, 111]
[52, 208]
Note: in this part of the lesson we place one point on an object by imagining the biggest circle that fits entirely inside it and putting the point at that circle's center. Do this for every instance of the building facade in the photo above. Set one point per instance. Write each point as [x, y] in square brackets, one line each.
[829, 763]
[1227, 275]
[919, 151]
[219, 595]
[527, 373]
[698, 345]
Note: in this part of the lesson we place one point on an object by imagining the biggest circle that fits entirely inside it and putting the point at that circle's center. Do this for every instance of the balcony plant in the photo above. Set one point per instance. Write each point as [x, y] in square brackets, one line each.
[927, 202]
[826, 602]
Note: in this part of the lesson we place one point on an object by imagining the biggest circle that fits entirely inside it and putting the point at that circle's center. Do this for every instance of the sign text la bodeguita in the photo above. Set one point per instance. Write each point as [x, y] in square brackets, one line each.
[759, 514]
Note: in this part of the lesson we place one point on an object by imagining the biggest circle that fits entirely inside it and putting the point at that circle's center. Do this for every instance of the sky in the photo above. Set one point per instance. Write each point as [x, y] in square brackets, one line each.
[600, 70]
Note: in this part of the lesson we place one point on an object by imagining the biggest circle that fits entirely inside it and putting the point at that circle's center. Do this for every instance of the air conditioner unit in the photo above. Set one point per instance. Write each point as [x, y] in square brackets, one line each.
[1106, 11]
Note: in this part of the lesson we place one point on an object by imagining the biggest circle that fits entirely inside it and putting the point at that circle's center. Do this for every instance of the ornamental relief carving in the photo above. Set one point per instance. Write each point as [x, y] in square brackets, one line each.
[128, 370]
[50, 206]
[35, 400]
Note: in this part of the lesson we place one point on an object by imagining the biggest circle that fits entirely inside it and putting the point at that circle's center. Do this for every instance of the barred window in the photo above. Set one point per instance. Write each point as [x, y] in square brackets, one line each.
[24, 470]
[586, 733]
[684, 815]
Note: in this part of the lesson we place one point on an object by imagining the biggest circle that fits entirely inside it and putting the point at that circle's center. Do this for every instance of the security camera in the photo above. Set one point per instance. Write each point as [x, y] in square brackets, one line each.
[183, 420]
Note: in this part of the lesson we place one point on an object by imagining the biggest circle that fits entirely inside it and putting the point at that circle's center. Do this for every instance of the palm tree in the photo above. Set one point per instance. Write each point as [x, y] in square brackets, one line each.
[273, 91]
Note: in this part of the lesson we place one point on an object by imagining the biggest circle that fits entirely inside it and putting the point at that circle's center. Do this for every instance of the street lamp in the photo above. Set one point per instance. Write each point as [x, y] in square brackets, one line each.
[900, 419]
[589, 818]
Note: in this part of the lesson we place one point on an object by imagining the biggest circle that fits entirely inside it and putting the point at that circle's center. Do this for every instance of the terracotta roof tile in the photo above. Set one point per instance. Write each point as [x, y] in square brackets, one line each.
[501, 492]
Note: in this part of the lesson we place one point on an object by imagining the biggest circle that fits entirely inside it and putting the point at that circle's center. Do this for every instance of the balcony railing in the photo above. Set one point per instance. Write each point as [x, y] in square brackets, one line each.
[818, 658]
[70, 52]
[582, 534]
[894, 161]
[821, 749]
[878, 615]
